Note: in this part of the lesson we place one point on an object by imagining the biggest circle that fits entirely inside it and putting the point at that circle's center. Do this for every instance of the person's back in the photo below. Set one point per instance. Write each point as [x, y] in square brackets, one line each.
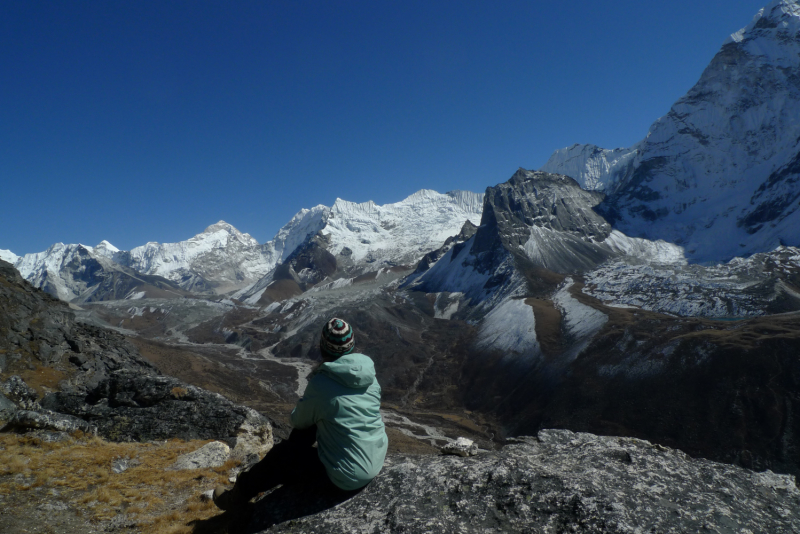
[343, 399]
[340, 410]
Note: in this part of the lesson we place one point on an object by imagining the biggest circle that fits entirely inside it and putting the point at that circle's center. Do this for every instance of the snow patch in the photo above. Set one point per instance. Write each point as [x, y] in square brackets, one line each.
[336, 284]
[445, 307]
[581, 321]
[656, 251]
[254, 298]
[510, 328]
[456, 275]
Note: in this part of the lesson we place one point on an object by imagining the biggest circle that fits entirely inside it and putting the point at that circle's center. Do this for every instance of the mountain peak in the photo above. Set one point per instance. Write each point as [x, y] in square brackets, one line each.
[779, 15]
[106, 246]
[7, 255]
[222, 225]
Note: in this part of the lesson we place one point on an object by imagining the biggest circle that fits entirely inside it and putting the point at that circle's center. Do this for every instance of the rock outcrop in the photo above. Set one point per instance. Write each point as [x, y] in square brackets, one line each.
[533, 222]
[559, 481]
[131, 406]
[58, 374]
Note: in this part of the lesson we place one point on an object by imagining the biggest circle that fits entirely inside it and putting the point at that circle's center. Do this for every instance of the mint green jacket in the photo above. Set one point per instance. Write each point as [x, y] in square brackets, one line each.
[343, 399]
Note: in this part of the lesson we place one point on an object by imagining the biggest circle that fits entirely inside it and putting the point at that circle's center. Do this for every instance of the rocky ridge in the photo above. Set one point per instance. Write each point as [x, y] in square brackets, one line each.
[534, 221]
[557, 482]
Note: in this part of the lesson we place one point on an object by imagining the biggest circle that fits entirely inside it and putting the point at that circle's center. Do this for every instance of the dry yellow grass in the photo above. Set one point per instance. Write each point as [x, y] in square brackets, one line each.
[158, 499]
[42, 378]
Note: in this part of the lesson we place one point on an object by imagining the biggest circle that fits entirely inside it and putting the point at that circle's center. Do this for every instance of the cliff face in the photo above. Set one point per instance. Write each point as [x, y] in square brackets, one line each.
[557, 482]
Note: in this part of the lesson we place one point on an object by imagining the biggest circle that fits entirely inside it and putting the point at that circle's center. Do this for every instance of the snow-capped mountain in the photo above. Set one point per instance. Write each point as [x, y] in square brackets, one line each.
[7, 255]
[536, 220]
[400, 232]
[355, 238]
[222, 259]
[720, 173]
[79, 273]
[539, 237]
[217, 260]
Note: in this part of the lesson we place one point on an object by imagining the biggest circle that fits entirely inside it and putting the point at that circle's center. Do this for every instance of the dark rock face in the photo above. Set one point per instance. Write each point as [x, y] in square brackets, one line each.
[721, 390]
[551, 202]
[309, 264]
[535, 221]
[105, 385]
[7, 408]
[546, 218]
[37, 329]
[558, 482]
[467, 231]
[129, 406]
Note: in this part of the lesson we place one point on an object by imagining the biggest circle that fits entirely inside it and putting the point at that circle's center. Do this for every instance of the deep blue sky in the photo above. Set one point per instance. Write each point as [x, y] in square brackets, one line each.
[148, 121]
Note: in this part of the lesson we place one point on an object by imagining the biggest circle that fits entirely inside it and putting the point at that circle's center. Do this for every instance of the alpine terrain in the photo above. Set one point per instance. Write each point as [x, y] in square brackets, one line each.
[648, 294]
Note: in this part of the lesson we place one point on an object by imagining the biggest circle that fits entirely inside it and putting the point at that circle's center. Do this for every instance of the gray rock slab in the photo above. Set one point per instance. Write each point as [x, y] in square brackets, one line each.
[16, 390]
[26, 420]
[211, 454]
[559, 482]
[7, 408]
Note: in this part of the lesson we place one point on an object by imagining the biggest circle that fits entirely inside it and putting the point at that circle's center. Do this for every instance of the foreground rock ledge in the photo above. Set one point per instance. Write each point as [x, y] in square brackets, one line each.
[558, 482]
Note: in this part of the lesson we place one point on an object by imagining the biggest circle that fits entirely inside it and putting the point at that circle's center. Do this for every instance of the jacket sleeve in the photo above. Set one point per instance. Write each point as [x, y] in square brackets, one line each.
[310, 408]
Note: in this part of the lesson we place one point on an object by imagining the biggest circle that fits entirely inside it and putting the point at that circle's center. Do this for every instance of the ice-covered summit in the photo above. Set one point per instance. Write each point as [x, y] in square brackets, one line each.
[403, 231]
[590, 165]
[229, 229]
[720, 173]
[779, 13]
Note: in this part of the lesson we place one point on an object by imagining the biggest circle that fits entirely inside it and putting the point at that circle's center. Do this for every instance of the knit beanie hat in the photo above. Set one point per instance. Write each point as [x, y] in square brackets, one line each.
[337, 338]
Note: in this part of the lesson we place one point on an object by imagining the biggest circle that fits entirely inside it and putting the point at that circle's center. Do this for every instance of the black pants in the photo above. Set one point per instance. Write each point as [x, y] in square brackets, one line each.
[294, 459]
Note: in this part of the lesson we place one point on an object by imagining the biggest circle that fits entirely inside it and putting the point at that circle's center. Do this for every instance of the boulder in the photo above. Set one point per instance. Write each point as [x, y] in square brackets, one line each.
[212, 454]
[131, 406]
[254, 436]
[7, 408]
[461, 447]
[20, 393]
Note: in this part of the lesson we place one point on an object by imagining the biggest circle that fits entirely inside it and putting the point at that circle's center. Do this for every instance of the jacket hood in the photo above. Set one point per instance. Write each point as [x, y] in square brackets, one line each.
[351, 370]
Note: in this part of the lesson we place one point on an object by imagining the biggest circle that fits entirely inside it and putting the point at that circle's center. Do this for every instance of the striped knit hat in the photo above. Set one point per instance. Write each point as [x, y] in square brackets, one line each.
[337, 338]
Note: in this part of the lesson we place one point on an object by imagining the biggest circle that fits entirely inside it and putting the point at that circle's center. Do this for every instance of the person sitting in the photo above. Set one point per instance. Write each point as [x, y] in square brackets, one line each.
[340, 410]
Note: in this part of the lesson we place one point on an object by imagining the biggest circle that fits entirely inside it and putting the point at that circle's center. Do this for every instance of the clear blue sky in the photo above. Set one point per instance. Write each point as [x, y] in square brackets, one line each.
[138, 121]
